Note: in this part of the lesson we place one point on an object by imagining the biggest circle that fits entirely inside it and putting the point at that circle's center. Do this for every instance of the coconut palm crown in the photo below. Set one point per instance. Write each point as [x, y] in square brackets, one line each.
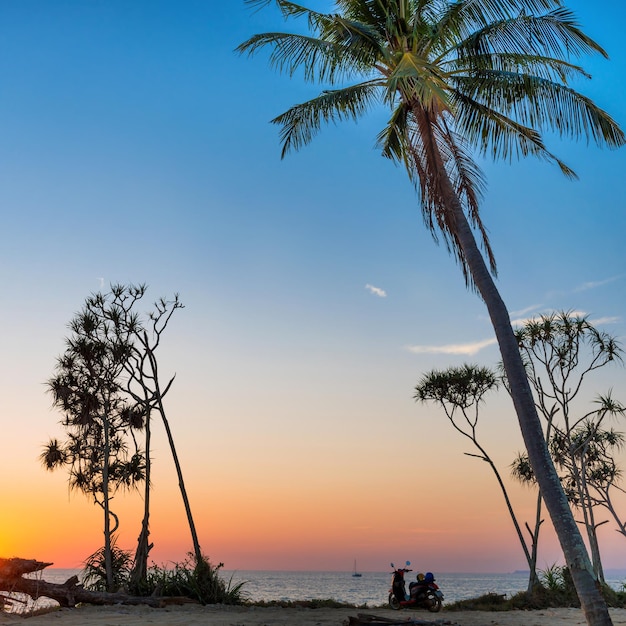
[483, 77]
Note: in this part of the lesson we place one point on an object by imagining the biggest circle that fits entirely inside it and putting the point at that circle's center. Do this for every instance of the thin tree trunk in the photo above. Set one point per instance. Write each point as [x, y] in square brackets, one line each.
[512, 515]
[533, 579]
[520, 535]
[139, 573]
[592, 538]
[590, 519]
[108, 556]
[183, 491]
[577, 559]
[179, 472]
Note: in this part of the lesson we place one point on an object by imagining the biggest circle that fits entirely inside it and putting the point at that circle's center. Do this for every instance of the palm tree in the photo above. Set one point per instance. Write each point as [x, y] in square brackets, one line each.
[474, 75]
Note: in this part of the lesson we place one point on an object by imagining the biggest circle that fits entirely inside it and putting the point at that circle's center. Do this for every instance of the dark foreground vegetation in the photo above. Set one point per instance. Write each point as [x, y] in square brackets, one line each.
[21, 583]
[198, 581]
[556, 590]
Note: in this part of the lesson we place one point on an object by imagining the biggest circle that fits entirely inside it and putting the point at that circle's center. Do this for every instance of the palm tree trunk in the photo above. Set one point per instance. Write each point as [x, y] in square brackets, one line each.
[576, 557]
[567, 531]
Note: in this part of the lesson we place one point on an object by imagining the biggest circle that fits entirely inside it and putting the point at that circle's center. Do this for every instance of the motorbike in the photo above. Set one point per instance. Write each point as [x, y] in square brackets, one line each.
[424, 593]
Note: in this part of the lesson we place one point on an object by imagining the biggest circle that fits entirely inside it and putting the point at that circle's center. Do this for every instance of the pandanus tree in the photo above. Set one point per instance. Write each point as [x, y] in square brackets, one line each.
[561, 351]
[465, 78]
[100, 451]
[460, 391]
[108, 386]
[140, 378]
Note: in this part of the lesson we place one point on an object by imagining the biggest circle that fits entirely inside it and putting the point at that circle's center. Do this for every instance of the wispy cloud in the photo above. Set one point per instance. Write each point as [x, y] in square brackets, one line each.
[599, 321]
[468, 349]
[597, 283]
[377, 291]
[523, 312]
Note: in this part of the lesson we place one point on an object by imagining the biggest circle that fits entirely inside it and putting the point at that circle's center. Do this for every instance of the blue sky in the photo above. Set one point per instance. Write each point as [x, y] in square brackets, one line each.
[135, 146]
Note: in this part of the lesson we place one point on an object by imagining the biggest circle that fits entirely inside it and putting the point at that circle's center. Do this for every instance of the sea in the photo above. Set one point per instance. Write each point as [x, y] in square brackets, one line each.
[371, 589]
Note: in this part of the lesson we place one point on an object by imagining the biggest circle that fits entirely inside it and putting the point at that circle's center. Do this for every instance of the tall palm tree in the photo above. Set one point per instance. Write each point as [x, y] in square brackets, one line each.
[483, 76]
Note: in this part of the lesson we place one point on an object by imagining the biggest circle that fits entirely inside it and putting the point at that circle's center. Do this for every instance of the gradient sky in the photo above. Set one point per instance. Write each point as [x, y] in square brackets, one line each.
[135, 147]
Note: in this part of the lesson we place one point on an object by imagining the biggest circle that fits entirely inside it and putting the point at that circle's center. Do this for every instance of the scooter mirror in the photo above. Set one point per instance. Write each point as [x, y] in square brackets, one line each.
[392, 565]
[408, 563]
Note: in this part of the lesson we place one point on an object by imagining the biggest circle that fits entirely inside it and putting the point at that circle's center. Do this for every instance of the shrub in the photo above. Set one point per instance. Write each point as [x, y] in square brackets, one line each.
[95, 573]
[198, 581]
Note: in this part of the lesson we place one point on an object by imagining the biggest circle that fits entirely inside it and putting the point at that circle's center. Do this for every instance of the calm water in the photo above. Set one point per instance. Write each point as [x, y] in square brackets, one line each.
[371, 589]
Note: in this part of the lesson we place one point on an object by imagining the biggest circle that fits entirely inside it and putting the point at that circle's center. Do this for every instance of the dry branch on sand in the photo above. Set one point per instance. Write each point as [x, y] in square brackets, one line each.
[67, 594]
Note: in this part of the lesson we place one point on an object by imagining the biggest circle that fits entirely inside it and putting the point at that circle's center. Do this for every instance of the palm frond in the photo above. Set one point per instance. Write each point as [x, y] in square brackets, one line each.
[425, 147]
[468, 180]
[443, 149]
[338, 49]
[555, 34]
[542, 104]
[492, 132]
[418, 80]
[360, 42]
[392, 139]
[550, 68]
[302, 122]
[466, 16]
[459, 20]
[458, 75]
[288, 9]
[321, 60]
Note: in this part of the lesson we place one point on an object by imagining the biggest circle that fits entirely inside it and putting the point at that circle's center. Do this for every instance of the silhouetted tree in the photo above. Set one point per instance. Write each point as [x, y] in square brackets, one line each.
[460, 392]
[108, 384]
[474, 74]
[142, 333]
[99, 451]
[560, 351]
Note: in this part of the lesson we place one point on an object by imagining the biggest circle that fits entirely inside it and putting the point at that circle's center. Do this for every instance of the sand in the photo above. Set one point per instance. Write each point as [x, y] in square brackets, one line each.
[194, 615]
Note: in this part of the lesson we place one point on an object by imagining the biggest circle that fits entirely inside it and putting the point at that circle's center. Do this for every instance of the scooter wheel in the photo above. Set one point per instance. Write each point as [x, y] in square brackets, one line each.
[434, 603]
[394, 603]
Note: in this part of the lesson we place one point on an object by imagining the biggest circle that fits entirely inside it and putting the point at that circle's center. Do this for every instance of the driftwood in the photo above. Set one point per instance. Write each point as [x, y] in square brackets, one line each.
[67, 594]
[364, 619]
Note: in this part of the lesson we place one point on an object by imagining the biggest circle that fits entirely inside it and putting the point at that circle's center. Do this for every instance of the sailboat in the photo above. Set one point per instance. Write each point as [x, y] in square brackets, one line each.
[355, 574]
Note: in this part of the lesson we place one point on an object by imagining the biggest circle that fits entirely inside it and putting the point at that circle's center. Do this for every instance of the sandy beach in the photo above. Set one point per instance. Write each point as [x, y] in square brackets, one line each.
[195, 615]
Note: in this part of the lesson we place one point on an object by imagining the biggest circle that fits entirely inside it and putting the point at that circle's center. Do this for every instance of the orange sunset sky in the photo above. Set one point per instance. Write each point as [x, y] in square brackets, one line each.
[136, 148]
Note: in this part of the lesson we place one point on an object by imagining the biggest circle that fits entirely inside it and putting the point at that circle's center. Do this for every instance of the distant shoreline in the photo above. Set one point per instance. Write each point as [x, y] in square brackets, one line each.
[608, 572]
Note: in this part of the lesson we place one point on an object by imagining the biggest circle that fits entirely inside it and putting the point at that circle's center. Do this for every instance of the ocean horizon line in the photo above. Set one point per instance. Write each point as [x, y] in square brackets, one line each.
[518, 572]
